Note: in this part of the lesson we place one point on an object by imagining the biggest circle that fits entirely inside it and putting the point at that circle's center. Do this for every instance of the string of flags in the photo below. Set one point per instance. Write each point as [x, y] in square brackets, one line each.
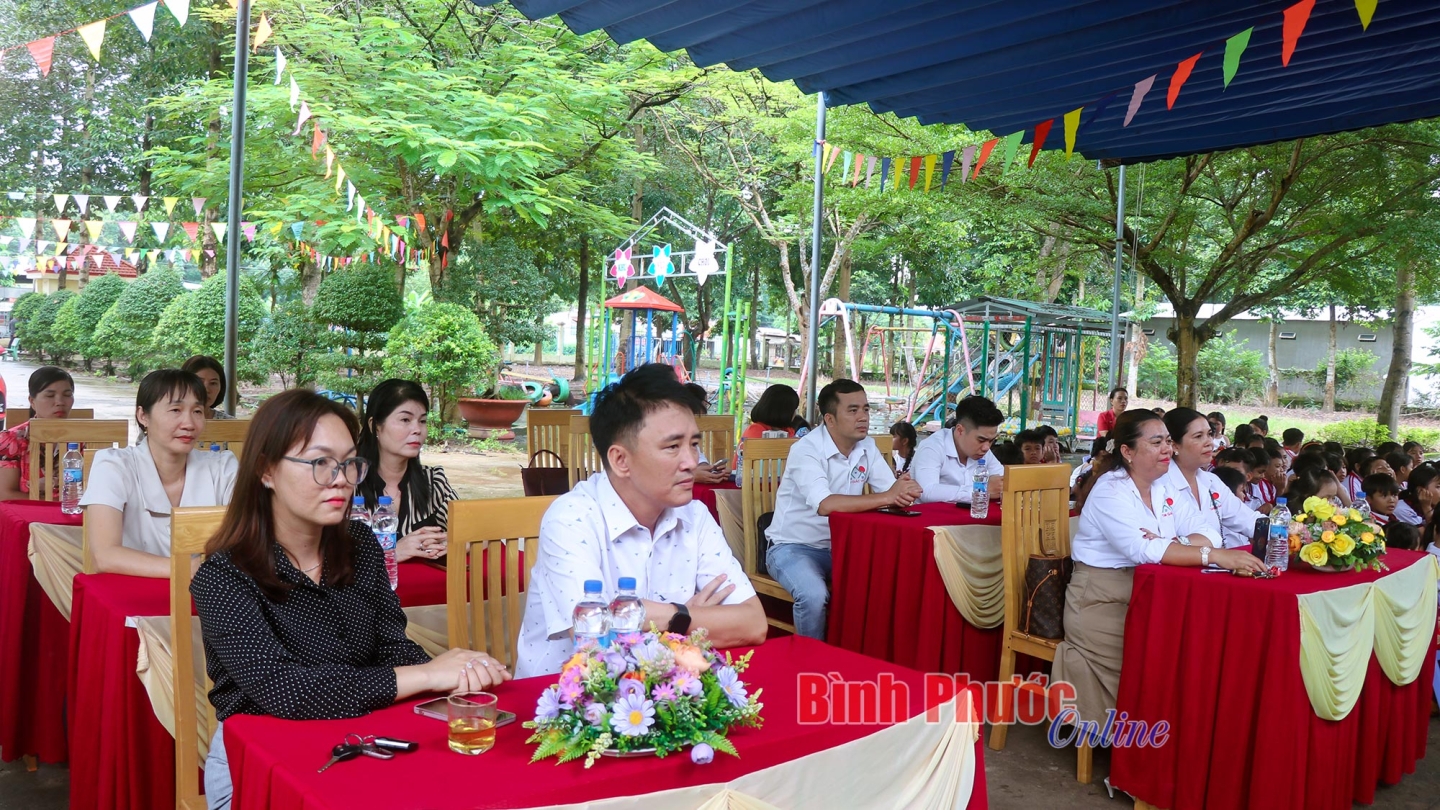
[906, 172]
[143, 17]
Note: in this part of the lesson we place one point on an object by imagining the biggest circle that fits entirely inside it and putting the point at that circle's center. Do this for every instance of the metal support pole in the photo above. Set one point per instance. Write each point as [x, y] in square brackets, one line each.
[812, 339]
[234, 204]
[1025, 376]
[1115, 300]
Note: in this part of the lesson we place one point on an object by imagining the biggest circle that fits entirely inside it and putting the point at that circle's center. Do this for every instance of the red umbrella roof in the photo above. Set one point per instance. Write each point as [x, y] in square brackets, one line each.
[643, 298]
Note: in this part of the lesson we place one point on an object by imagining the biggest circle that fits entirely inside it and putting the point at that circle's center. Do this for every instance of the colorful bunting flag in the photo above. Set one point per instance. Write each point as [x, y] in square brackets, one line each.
[966, 155]
[262, 33]
[279, 66]
[869, 169]
[859, 161]
[945, 162]
[1234, 48]
[27, 225]
[825, 149]
[304, 116]
[844, 164]
[1098, 111]
[294, 93]
[296, 228]
[329, 159]
[985, 150]
[140, 200]
[128, 229]
[82, 201]
[1012, 147]
[914, 170]
[1178, 79]
[895, 180]
[1366, 9]
[199, 204]
[1142, 88]
[339, 178]
[929, 170]
[162, 230]
[62, 228]
[192, 229]
[248, 228]
[144, 19]
[60, 200]
[179, 8]
[42, 51]
[220, 229]
[170, 205]
[317, 140]
[111, 201]
[1295, 18]
[93, 227]
[884, 173]
[93, 34]
[1072, 126]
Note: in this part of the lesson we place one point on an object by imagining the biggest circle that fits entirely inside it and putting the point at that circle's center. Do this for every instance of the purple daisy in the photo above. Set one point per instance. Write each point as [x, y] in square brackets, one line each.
[664, 692]
[632, 715]
[686, 684]
[731, 685]
[549, 706]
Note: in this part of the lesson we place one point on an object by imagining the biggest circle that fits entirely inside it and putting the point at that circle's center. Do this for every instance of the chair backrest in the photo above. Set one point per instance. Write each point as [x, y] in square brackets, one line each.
[717, 436]
[48, 438]
[582, 458]
[764, 465]
[505, 529]
[228, 433]
[191, 528]
[549, 429]
[19, 414]
[885, 443]
[1034, 520]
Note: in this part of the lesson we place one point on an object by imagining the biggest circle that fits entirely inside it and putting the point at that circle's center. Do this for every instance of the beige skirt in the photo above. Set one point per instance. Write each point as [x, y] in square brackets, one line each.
[1089, 657]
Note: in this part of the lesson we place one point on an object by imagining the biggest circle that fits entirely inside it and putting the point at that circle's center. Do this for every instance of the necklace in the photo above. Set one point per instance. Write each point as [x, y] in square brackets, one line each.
[296, 563]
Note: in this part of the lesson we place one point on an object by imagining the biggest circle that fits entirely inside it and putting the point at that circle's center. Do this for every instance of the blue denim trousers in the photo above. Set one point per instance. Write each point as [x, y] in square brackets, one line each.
[805, 573]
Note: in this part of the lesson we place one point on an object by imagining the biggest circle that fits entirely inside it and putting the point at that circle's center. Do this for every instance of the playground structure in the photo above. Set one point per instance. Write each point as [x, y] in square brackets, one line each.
[990, 346]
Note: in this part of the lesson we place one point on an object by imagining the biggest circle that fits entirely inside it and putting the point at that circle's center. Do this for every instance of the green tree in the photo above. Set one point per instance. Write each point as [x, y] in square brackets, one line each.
[65, 335]
[444, 347]
[23, 313]
[500, 282]
[290, 344]
[99, 294]
[169, 341]
[362, 304]
[42, 326]
[125, 330]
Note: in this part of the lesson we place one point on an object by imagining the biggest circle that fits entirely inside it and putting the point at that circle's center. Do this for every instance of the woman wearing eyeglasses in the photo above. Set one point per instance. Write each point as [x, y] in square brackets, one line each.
[295, 606]
[132, 490]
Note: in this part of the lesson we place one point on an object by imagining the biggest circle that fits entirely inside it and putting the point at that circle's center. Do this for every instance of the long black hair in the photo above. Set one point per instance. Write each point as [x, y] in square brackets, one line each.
[46, 376]
[1420, 477]
[200, 361]
[383, 400]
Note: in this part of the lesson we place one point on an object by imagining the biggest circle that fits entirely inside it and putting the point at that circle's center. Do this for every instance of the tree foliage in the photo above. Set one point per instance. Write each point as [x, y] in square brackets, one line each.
[41, 331]
[290, 345]
[444, 347]
[126, 329]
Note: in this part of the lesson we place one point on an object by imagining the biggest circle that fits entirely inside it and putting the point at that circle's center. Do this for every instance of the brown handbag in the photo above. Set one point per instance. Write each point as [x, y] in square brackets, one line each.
[1046, 578]
[545, 480]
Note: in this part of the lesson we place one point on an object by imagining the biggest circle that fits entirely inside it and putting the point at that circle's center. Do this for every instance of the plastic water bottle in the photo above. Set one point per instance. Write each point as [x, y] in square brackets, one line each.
[1277, 551]
[627, 612]
[739, 471]
[592, 616]
[214, 448]
[980, 492]
[359, 511]
[1363, 507]
[73, 484]
[386, 525]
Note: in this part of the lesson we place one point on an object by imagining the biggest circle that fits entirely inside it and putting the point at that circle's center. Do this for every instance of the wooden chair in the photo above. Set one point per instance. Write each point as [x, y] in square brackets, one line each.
[228, 433]
[885, 443]
[48, 438]
[1035, 520]
[503, 527]
[549, 429]
[20, 414]
[582, 458]
[764, 465]
[717, 437]
[191, 528]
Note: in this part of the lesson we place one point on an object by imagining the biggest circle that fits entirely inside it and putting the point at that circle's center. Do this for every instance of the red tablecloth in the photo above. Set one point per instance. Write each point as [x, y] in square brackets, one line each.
[1218, 657]
[273, 762]
[887, 599]
[120, 755]
[705, 493]
[32, 642]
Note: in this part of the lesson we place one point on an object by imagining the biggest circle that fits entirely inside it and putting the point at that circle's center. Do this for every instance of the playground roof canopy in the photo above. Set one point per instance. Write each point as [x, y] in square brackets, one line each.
[1004, 66]
[1052, 316]
[643, 297]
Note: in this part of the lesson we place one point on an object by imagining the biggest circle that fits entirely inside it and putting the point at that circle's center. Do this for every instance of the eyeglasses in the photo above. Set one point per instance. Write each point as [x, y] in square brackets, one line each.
[326, 469]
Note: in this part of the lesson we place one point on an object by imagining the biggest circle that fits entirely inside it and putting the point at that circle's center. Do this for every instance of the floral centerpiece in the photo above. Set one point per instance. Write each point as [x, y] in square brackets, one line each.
[1333, 538]
[644, 693]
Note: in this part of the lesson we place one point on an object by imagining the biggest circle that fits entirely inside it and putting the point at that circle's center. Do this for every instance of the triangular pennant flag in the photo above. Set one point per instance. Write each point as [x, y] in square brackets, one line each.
[349, 195]
[339, 179]
[6, 240]
[15, 195]
[192, 229]
[27, 225]
[869, 169]
[946, 161]
[248, 228]
[1012, 147]
[296, 228]
[1178, 79]
[42, 245]
[170, 205]
[420, 218]
[279, 66]
[317, 140]
[112, 201]
[42, 51]
[884, 173]
[826, 149]
[220, 229]
[844, 164]
[130, 254]
[1295, 18]
[262, 33]
[929, 170]
[914, 170]
[1366, 8]
[82, 201]
[60, 200]
[304, 116]
[99, 259]
[1234, 48]
[967, 155]
[1072, 126]
[93, 34]
[210, 253]
[128, 228]
[199, 205]
[985, 150]
[895, 168]
[294, 93]
[1099, 108]
[162, 230]
[139, 200]
[1142, 87]
[179, 8]
[329, 159]
[144, 19]
[62, 227]
[94, 227]
[1042, 131]
[152, 255]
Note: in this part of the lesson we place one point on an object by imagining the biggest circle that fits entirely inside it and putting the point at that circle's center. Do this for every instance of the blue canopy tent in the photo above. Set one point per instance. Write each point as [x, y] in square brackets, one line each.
[1007, 66]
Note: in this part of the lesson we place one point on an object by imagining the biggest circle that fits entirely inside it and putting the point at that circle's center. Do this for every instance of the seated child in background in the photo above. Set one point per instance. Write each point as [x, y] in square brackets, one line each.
[1406, 536]
[1236, 480]
[1032, 446]
[1383, 494]
[1401, 464]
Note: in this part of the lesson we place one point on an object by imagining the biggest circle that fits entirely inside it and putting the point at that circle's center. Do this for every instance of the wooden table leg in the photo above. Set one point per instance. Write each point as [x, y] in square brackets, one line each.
[31, 764]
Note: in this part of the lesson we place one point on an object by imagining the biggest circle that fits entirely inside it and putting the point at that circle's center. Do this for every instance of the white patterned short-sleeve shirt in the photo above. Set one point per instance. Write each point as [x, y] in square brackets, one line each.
[589, 533]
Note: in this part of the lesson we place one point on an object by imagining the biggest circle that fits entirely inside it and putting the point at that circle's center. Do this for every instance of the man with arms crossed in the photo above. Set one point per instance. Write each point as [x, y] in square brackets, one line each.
[827, 472]
[945, 463]
[637, 518]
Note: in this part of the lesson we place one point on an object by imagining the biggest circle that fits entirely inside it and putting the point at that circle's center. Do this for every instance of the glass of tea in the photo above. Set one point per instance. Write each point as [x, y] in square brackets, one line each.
[472, 722]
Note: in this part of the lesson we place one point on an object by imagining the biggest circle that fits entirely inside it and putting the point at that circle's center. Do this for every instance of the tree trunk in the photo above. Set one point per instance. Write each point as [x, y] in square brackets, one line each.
[1330, 367]
[1187, 352]
[839, 359]
[310, 278]
[1392, 396]
[1272, 384]
[1134, 348]
[577, 381]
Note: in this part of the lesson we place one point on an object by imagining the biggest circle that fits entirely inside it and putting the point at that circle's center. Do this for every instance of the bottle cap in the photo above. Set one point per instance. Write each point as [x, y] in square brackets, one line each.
[359, 500]
[385, 500]
[72, 446]
[1279, 501]
[627, 583]
[215, 447]
[594, 586]
[1359, 494]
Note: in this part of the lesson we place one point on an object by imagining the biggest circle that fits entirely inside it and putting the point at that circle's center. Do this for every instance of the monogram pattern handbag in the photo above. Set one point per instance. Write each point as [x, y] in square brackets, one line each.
[1046, 578]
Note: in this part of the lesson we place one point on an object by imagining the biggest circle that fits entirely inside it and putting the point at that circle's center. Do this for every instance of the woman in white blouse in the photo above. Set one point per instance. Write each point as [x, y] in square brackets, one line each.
[132, 490]
[1133, 516]
[1190, 476]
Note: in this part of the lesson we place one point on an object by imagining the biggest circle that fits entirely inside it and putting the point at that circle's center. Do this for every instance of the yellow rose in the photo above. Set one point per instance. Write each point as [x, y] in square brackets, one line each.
[1367, 538]
[1327, 537]
[1319, 507]
[1355, 515]
[1343, 545]
[1339, 520]
[1314, 553]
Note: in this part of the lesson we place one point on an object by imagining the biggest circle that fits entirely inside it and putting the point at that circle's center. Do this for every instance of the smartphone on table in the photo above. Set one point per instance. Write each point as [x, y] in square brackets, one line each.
[436, 709]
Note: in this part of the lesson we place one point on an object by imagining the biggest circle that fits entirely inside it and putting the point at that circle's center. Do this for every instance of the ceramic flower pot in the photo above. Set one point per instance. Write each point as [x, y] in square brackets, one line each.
[492, 417]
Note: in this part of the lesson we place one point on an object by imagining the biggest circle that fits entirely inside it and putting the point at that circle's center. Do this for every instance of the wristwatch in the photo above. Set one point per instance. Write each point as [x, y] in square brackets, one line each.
[680, 622]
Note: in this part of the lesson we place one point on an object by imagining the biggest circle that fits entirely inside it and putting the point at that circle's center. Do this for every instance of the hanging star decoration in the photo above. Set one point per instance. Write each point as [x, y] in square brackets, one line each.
[704, 264]
[660, 265]
[622, 271]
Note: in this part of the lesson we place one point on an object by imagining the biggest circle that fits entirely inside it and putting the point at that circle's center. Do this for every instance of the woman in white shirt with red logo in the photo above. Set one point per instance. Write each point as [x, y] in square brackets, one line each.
[1190, 476]
[1132, 517]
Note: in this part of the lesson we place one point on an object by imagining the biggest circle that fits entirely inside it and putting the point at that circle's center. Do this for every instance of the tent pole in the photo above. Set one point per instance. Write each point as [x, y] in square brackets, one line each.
[237, 190]
[1115, 301]
[812, 338]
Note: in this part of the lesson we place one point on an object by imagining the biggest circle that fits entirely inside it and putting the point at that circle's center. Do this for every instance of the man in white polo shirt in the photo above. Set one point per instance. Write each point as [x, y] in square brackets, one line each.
[944, 464]
[638, 518]
[827, 472]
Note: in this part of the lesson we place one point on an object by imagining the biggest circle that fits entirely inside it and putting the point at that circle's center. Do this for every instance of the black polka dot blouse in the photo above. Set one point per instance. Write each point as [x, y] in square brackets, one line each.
[324, 653]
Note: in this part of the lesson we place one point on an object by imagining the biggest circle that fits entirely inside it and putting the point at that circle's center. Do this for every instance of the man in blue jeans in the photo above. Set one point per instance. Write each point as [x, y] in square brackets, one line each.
[826, 472]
